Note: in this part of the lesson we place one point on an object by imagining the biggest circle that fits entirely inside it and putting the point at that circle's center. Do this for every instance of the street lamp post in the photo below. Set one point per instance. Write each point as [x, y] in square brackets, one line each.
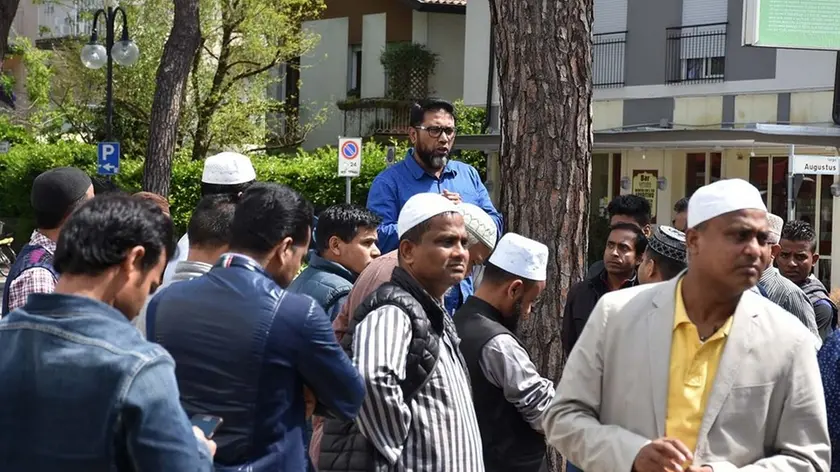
[125, 52]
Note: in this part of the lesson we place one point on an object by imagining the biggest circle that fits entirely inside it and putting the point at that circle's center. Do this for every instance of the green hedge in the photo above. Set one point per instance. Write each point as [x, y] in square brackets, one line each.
[313, 174]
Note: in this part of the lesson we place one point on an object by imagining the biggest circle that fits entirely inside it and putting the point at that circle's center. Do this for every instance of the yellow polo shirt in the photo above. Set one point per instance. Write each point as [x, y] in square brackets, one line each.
[692, 373]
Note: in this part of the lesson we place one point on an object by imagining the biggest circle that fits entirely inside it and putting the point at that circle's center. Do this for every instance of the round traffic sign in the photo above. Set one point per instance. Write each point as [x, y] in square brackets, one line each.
[349, 150]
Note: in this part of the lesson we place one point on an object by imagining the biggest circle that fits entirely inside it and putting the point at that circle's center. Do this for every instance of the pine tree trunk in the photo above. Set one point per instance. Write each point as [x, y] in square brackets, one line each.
[544, 55]
[172, 74]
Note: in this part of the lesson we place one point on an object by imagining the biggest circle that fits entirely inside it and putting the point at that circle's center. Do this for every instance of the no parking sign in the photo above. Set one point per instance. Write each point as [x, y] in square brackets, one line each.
[349, 157]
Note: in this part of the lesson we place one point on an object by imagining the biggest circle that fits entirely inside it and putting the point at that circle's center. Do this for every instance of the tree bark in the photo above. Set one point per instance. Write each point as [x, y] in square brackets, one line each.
[172, 74]
[544, 55]
[8, 10]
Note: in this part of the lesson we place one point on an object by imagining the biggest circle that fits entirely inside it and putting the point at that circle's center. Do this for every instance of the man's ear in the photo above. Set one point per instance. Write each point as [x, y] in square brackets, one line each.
[134, 259]
[412, 135]
[515, 289]
[815, 258]
[646, 230]
[775, 250]
[407, 251]
[334, 246]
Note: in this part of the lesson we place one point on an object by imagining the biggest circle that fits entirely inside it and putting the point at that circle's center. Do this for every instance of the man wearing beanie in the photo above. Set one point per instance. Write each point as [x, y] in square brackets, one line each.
[55, 195]
[226, 173]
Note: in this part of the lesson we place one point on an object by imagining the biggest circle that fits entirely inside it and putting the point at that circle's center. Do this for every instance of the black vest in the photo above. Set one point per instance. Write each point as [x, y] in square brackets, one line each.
[510, 444]
[343, 447]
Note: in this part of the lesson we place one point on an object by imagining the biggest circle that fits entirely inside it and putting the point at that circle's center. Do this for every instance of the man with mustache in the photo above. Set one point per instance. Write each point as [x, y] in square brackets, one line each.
[428, 168]
[418, 413]
[697, 373]
[509, 394]
[626, 244]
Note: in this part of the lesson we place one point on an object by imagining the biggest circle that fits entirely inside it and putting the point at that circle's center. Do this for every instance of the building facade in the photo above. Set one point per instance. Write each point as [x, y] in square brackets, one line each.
[676, 73]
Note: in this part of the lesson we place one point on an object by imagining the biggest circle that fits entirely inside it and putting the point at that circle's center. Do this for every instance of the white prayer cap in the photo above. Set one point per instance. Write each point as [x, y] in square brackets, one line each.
[721, 197]
[480, 227]
[521, 256]
[422, 207]
[776, 224]
[228, 168]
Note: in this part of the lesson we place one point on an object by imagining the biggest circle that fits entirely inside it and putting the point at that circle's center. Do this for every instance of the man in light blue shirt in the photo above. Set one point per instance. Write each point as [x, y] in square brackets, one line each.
[427, 168]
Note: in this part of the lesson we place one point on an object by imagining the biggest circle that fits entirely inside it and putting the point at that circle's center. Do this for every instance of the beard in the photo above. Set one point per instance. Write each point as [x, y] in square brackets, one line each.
[431, 157]
[512, 322]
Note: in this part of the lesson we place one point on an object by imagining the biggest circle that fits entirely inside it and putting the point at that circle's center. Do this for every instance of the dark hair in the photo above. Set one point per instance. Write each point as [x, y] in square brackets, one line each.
[343, 221]
[221, 189]
[102, 185]
[681, 206]
[100, 233]
[640, 245]
[798, 230]
[669, 268]
[52, 218]
[498, 276]
[266, 214]
[419, 109]
[158, 200]
[415, 234]
[634, 206]
[211, 224]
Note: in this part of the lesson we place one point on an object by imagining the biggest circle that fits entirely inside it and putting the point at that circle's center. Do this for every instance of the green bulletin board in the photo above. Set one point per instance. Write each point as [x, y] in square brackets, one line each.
[795, 24]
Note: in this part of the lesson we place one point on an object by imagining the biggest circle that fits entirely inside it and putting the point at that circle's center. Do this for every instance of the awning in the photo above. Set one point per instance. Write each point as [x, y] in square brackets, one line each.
[754, 135]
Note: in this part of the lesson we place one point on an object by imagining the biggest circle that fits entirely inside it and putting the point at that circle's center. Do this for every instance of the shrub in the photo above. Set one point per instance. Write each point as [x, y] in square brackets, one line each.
[313, 174]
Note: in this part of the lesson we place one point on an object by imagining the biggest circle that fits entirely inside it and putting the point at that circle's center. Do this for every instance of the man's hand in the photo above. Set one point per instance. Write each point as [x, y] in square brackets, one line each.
[199, 435]
[663, 454]
[454, 197]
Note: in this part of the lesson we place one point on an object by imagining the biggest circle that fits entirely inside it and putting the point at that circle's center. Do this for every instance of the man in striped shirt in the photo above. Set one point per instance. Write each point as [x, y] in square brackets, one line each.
[780, 290]
[418, 415]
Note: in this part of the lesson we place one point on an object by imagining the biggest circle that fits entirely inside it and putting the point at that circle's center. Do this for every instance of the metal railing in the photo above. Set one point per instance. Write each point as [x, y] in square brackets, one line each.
[608, 59]
[372, 116]
[695, 53]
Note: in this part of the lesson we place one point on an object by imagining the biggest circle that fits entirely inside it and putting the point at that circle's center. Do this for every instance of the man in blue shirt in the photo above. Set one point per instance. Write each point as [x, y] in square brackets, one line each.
[82, 390]
[246, 347]
[427, 168]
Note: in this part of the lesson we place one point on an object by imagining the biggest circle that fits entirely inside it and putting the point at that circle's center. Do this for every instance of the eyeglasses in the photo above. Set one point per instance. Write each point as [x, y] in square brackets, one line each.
[435, 131]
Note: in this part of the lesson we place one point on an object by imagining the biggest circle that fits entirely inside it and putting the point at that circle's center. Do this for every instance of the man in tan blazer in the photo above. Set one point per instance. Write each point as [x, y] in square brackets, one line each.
[696, 373]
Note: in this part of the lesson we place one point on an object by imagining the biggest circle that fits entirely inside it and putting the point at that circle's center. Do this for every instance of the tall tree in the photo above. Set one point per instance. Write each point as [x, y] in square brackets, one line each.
[175, 65]
[546, 149]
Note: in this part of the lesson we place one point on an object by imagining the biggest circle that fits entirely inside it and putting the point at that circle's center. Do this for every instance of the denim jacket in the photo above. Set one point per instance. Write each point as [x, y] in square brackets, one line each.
[81, 390]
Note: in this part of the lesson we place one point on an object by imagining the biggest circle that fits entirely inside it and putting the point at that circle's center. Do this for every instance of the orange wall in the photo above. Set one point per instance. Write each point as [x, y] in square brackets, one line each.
[398, 26]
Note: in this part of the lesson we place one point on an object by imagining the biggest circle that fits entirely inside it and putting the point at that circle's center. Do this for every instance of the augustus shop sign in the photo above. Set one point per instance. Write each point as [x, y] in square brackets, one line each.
[645, 184]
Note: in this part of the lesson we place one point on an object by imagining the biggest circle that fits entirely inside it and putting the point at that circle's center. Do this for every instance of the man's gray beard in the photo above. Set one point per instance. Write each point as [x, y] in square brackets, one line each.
[431, 160]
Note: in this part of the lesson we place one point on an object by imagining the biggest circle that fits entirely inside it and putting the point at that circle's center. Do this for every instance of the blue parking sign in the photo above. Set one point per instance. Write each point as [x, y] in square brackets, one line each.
[108, 159]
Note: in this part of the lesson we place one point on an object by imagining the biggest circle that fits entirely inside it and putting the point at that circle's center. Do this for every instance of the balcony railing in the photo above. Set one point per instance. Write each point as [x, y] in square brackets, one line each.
[375, 116]
[608, 59]
[695, 54]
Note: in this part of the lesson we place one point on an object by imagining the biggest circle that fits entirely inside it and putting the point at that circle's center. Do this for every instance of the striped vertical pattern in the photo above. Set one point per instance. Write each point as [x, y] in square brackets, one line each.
[787, 295]
[438, 430]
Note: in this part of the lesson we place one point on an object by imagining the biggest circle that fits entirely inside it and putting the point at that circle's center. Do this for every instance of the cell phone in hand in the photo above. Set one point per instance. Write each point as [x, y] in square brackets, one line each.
[208, 424]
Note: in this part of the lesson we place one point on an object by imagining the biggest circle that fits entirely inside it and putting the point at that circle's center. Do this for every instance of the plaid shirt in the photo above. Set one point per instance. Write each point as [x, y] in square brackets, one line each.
[34, 280]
